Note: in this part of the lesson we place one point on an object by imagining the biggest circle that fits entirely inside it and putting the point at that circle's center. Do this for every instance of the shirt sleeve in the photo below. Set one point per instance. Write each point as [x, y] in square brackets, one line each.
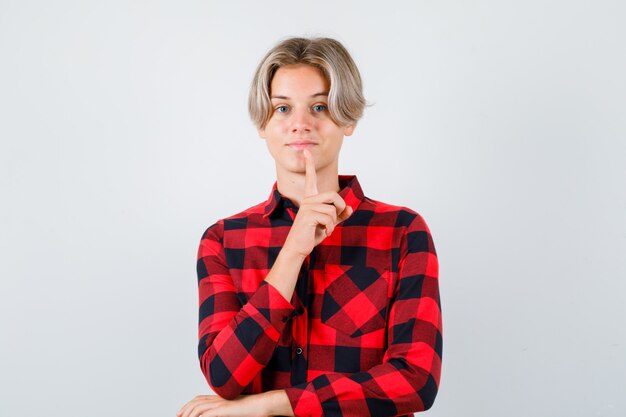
[235, 341]
[408, 379]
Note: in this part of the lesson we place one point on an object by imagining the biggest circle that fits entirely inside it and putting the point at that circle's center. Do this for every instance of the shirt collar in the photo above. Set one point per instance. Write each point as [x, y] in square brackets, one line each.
[350, 191]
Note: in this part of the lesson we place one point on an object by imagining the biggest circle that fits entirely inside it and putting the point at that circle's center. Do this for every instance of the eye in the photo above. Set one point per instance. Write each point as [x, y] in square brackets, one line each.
[318, 108]
[282, 109]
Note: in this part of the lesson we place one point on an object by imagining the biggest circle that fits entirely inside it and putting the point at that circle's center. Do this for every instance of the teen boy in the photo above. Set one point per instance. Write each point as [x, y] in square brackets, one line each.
[318, 301]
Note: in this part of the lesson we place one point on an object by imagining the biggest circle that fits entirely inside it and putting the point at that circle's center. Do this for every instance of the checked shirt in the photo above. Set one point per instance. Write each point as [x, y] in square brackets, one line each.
[361, 335]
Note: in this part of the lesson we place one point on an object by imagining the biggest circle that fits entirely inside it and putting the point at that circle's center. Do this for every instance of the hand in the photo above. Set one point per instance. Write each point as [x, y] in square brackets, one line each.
[318, 213]
[213, 406]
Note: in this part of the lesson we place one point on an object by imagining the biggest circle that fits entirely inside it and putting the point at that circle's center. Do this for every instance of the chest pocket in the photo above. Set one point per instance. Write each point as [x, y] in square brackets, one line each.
[355, 298]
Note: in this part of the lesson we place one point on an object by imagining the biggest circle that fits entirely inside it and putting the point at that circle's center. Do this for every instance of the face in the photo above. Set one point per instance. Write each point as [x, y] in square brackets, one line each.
[300, 120]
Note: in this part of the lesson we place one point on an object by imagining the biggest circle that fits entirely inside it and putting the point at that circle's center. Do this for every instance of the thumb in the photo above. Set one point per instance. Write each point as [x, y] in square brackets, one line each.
[347, 212]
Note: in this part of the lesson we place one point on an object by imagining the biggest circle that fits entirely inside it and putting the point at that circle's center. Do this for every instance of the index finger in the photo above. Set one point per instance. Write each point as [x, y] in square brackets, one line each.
[310, 178]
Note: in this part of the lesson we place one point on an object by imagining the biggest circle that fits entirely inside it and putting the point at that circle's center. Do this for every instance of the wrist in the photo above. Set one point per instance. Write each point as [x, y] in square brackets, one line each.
[276, 403]
[291, 255]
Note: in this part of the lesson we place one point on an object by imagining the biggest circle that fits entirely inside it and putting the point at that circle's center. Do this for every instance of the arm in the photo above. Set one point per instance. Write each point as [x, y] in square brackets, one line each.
[271, 403]
[236, 341]
[408, 379]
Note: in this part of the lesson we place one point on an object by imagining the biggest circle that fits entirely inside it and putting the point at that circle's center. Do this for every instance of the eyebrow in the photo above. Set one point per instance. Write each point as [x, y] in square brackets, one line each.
[314, 95]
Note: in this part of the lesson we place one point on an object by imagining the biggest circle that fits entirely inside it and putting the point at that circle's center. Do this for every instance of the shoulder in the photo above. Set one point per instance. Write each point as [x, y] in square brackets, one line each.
[235, 221]
[408, 229]
[381, 213]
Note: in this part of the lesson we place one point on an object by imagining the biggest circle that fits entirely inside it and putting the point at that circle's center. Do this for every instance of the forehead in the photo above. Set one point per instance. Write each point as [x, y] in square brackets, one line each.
[299, 79]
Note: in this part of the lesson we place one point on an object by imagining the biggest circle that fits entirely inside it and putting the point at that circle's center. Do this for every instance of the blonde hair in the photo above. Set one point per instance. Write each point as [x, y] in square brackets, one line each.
[345, 98]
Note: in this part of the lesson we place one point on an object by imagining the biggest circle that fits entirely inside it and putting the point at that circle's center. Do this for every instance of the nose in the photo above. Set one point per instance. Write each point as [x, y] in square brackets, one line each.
[301, 121]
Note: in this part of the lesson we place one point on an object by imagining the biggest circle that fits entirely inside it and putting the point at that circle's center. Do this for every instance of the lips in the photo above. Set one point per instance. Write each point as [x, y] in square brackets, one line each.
[301, 144]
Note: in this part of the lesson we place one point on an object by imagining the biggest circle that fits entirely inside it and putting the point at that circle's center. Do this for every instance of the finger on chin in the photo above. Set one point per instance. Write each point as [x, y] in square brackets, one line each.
[310, 176]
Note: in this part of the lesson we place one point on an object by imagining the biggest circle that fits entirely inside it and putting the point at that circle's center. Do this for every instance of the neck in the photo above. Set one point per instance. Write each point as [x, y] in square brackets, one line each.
[291, 184]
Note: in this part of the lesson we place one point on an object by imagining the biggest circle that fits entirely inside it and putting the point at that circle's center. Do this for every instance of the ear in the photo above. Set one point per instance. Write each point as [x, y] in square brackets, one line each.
[261, 131]
[348, 130]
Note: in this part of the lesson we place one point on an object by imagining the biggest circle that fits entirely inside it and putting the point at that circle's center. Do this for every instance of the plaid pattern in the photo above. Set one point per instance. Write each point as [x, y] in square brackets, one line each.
[362, 334]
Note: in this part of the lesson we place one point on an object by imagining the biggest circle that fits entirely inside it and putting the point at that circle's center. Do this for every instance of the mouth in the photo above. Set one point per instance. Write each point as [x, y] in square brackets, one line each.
[304, 144]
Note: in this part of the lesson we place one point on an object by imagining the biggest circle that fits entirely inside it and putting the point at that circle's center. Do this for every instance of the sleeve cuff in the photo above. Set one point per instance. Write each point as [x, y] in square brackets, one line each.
[304, 401]
[269, 306]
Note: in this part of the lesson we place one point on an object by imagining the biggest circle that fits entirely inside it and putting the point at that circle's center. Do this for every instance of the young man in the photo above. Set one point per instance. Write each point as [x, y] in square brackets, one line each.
[318, 301]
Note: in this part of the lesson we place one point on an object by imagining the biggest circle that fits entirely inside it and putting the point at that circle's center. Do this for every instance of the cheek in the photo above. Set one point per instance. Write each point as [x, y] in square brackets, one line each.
[331, 131]
[275, 143]
[275, 152]
[279, 128]
[272, 133]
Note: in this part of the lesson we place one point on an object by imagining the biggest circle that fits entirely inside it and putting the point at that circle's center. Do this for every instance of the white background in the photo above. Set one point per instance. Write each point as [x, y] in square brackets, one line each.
[124, 134]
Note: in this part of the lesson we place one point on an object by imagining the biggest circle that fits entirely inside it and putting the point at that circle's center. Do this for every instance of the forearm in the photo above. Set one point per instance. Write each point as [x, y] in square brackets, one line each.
[234, 355]
[271, 403]
[392, 388]
[276, 403]
[257, 327]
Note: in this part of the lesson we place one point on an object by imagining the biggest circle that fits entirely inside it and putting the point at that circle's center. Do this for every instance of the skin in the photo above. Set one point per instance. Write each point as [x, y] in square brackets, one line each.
[305, 143]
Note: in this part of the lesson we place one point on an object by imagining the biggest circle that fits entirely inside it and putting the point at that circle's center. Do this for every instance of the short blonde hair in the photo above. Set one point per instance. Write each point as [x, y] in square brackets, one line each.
[345, 98]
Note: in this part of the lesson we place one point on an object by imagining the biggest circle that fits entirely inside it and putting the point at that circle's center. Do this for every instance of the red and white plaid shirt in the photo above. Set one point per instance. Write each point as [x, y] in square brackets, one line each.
[362, 335]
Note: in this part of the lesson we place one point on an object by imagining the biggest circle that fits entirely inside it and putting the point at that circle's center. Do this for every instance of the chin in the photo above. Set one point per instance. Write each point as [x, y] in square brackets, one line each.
[292, 166]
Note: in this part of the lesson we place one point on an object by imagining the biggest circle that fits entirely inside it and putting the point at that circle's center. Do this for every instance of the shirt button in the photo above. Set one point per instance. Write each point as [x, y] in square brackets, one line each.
[299, 351]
